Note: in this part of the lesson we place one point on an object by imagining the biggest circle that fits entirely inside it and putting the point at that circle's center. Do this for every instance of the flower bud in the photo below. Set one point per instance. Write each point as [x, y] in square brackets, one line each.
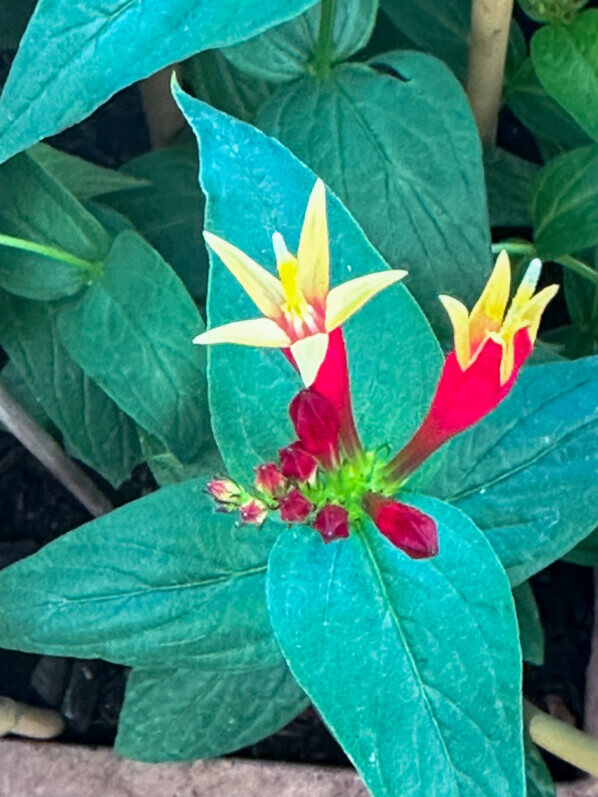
[317, 426]
[295, 507]
[224, 491]
[296, 463]
[332, 522]
[407, 528]
[269, 480]
[254, 511]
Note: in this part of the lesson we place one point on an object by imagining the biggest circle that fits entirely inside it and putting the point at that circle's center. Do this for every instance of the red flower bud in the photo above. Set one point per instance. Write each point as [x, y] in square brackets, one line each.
[295, 507]
[316, 423]
[270, 480]
[254, 511]
[406, 527]
[332, 522]
[224, 490]
[296, 463]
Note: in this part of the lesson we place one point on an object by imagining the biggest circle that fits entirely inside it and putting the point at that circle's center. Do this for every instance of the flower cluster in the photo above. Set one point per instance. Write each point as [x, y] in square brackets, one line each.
[326, 478]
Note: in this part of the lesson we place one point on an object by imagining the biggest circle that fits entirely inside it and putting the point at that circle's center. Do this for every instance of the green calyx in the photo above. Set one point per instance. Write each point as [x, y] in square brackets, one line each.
[347, 485]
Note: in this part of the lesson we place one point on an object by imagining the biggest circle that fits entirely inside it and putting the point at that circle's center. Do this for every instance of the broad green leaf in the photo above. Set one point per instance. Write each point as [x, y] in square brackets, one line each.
[288, 51]
[526, 474]
[161, 581]
[414, 665]
[93, 428]
[538, 780]
[15, 16]
[531, 632]
[168, 210]
[254, 186]
[553, 127]
[586, 552]
[582, 301]
[565, 58]
[406, 165]
[572, 341]
[508, 181]
[441, 28]
[75, 56]
[180, 714]
[167, 469]
[111, 220]
[15, 383]
[35, 206]
[82, 178]
[213, 79]
[564, 203]
[132, 333]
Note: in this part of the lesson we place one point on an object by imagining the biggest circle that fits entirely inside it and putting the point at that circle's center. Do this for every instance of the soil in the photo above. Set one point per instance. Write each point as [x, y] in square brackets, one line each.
[35, 509]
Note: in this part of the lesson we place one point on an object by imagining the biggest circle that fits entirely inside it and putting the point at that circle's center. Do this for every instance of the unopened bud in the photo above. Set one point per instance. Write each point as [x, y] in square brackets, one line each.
[254, 511]
[224, 491]
[407, 528]
[295, 507]
[317, 426]
[332, 522]
[296, 463]
[270, 480]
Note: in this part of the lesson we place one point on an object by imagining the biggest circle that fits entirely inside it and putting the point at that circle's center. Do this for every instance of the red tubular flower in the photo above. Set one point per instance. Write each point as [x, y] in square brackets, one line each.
[296, 463]
[407, 528]
[332, 522]
[295, 507]
[270, 480]
[490, 348]
[317, 426]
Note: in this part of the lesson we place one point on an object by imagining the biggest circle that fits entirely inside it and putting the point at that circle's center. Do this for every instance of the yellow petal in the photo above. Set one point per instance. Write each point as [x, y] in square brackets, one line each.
[489, 310]
[261, 332]
[314, 252]
[532, 313]
[263, 287]
[346, 299]
[507, 362]
[459, 317]
[526, 289]
[309, 355]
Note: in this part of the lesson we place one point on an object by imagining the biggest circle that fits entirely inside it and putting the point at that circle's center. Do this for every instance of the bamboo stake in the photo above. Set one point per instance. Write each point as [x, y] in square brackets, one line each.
[489, 36]
[50, 454]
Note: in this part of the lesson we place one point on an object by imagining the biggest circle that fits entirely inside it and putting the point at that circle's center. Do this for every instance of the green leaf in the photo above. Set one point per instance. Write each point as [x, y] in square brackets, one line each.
[586, 552]
[441, 28]
[408, 167]
[180, 714]
[213, 79]
[526, 474]
[531, 632]
[139, 324]
[571, 341]
[168, 210]
[414, 665]
[564, 203]
[75, 56]
[34, 206]
[565, 58]
[538, 780]
[287, 51]
[167, 469]
[14, 16]
[508, 182]
[253, 187]
[582, 303]
[161, 581]
[82, 178]
[94, 429]
[552, 126]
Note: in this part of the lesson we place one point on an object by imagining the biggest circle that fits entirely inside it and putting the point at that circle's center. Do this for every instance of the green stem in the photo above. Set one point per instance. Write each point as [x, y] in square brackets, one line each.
[569, 744]
[323, 49]
[515, 248]
[52, 252]
[567, 261]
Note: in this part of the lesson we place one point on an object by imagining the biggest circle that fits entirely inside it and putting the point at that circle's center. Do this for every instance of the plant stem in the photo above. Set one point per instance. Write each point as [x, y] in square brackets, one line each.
[51, 455]
[29, 721]
[323, 49]
[569, 744]
[567, 261]
[53, 252]
[489, 36]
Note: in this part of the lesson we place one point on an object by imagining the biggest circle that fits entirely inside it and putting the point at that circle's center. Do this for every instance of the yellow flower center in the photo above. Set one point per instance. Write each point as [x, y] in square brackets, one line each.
[295, 303]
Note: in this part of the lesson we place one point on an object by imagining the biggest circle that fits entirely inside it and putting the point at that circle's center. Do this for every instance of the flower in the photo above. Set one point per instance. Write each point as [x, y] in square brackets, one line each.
[317, 426]
[297, 464]
[406, 527]
[254, 511]
[332, 521]
[224, 491]
[490, 348]
[270, 480]
[295, 507]
[300, 309]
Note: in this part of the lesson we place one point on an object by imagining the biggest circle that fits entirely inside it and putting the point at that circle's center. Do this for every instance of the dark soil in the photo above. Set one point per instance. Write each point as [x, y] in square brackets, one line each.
[35, 509]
